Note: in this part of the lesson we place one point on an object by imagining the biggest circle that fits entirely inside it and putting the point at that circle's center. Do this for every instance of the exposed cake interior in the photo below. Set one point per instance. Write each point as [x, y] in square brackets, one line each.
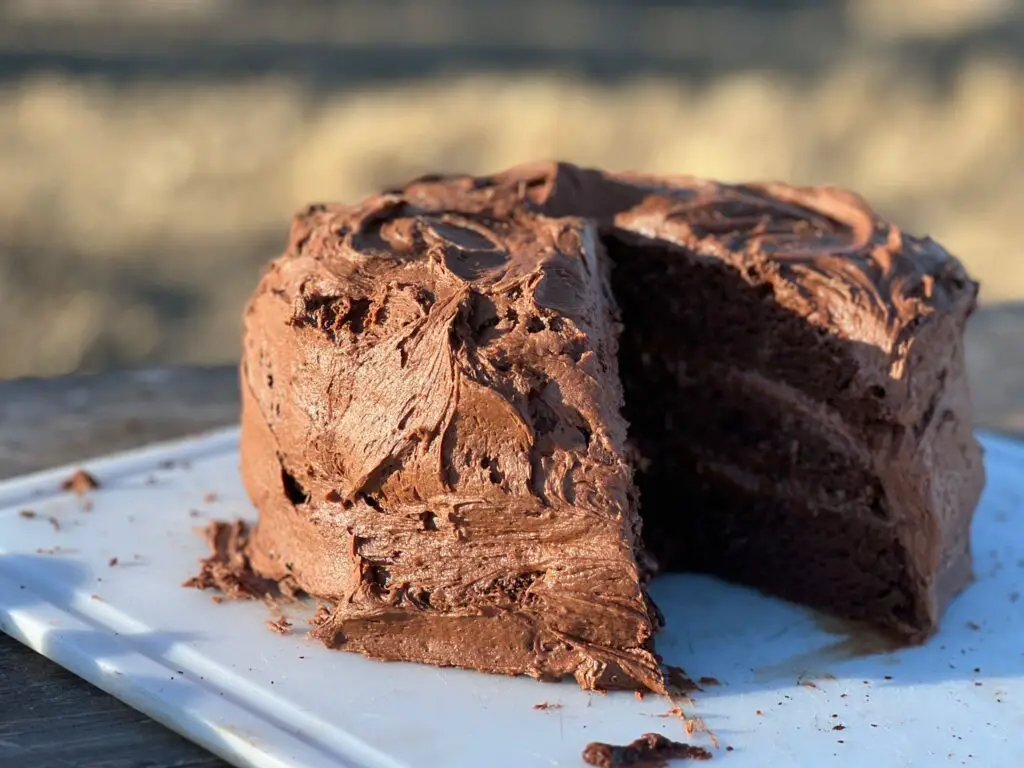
[740, 476]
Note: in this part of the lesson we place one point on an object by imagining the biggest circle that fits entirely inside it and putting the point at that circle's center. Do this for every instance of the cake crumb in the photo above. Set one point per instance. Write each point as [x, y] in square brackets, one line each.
[80, 483]
[322, 614]
[707, 682]
[545, 705]
[54, 522]
[112, 562]
[211, 497]
[638, 694]
[28, 514]
[679, 683]
[711, 734]
[974, 626]
[280, 625]
[97, 598]
[652, 750]
[839, 727]
[228, 570]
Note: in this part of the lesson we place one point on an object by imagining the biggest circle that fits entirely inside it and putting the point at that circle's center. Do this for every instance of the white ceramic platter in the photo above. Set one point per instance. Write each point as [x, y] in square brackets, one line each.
[794, 690]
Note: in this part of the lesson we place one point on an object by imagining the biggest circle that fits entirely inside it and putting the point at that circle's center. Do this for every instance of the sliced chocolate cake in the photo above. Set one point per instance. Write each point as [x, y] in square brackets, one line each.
[437, 385]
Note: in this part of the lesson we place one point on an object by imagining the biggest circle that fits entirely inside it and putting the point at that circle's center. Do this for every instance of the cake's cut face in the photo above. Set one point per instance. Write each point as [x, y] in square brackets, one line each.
[432, 435]
[435, 435]
[794, 379]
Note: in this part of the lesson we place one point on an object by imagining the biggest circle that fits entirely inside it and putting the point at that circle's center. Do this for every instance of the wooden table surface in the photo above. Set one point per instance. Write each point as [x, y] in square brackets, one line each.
[49, 717]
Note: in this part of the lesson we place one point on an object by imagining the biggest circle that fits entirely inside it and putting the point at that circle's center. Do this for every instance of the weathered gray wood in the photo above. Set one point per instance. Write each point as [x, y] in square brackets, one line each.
[995, 359]
[48, 422]
[48, 717]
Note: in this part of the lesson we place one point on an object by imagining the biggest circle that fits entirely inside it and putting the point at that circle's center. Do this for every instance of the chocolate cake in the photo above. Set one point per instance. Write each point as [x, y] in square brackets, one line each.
[460, 396]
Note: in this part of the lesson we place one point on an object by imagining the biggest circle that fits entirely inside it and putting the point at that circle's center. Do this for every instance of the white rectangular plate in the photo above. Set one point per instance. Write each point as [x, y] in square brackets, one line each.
[794, 690]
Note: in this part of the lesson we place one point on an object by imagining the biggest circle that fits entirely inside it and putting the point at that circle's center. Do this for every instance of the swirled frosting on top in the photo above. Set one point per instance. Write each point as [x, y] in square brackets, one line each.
[859, 274]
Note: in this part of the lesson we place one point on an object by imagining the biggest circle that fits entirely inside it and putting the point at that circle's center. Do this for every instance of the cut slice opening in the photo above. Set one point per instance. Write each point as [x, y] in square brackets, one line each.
[754, 460]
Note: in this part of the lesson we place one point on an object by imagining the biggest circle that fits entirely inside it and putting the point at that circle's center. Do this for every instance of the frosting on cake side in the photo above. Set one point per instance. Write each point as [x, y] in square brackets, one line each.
[432, 435]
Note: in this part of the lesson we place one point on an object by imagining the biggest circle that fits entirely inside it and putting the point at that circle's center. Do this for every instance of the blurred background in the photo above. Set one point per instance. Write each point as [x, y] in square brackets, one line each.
[153, 151]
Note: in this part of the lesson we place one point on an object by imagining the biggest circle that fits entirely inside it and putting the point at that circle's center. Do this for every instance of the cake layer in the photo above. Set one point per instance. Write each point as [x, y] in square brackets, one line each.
[802, 452]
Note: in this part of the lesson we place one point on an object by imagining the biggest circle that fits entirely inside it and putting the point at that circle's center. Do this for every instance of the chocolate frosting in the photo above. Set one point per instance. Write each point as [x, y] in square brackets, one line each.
[433, 438]
[432, 426]
[825, 252]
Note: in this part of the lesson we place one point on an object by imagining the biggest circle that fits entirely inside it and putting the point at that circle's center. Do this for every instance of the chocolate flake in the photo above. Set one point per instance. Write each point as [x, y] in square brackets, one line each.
[280, 625]
[652, 750]
[229, 570]
[80, 483]
[679, 683]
